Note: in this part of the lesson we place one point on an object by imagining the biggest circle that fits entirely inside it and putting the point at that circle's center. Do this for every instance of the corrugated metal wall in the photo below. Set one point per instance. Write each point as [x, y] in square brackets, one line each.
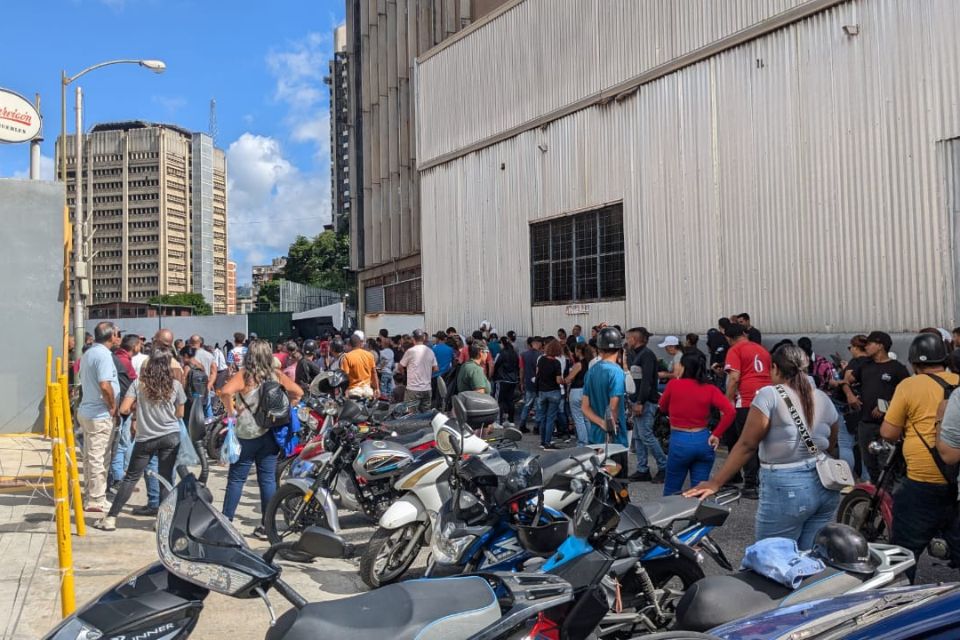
[799, 176]
[545, 54]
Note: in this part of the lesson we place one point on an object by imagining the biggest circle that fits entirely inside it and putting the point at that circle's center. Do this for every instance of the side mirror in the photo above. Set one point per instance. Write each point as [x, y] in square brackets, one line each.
[441, 388]
[512, 434]
[459, 412]
[318, 542]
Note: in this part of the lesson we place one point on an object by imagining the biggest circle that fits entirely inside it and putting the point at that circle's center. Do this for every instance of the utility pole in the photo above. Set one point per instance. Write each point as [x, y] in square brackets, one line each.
[79, 265]
[35, 148]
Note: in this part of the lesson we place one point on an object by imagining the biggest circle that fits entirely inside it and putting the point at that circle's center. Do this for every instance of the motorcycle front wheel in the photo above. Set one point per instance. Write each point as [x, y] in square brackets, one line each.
[282, 525]
[383, 562]
[854, 510]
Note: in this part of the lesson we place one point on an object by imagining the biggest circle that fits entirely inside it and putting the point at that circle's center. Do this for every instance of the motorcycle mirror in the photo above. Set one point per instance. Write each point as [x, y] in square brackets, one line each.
[441, 388]
[512, 434]
[318, 542]
[459, 412]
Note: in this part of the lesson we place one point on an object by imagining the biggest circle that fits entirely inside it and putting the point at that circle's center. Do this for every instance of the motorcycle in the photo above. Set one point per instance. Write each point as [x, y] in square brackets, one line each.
[869, 508]
[200, 552]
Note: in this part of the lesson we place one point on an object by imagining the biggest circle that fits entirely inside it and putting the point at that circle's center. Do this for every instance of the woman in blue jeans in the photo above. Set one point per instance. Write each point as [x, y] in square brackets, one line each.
[793, 502]
[241, 397]
[687, 401]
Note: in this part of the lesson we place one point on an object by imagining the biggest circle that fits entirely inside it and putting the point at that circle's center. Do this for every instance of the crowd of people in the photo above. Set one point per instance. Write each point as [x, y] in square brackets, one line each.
[776, 411]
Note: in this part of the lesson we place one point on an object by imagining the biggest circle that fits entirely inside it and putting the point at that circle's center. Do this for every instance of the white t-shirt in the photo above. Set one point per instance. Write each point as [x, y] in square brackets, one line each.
[419, 361]
[782, 443]
[137, 361]
[220, 360]
[386, 360]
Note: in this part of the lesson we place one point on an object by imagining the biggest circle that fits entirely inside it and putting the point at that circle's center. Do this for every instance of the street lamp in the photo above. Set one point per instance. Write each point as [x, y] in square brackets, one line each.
[157, 66]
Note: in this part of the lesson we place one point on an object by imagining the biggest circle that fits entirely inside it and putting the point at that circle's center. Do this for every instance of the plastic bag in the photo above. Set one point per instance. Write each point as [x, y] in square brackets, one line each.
[230, 451]
[187, 453]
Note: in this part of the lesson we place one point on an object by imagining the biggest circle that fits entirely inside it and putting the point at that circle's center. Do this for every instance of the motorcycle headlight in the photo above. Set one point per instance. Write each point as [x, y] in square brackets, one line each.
[211, 576]
[447, 550]
[74, 629]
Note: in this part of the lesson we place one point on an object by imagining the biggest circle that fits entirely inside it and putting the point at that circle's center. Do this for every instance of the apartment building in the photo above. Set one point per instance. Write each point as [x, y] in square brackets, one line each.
[338, 81]
[155, 198]
[231, 287]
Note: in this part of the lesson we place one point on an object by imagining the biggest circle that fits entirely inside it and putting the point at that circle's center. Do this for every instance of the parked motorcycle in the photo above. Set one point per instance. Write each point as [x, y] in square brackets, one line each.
[200, 552]
[869, 508]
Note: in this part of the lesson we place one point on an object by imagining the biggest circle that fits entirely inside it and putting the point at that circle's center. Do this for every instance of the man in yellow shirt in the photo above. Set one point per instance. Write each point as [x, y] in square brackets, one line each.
[925, 504]
[361, 369]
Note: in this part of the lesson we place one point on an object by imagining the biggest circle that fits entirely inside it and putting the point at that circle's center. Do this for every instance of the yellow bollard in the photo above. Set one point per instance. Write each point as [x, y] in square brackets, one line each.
[73, 471]
[62, 505]
[46, 398]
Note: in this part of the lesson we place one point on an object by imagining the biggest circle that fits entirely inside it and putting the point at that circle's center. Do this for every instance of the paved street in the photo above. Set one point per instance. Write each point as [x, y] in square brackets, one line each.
[27, 541]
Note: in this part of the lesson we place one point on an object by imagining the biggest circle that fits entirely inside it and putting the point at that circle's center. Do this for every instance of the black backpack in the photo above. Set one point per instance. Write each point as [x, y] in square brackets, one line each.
[273, 408]
[197, 381]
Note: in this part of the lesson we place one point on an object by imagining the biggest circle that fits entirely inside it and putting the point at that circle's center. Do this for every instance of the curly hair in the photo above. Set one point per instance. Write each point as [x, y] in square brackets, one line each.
[258, 363]
[156, 378]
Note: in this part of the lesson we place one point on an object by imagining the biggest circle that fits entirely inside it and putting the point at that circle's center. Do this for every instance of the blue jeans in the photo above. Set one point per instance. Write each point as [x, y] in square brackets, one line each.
[579, 421]
[794, 504]
[846, 441]
[644, 439]
[548, 405]
[529, 397]
[121, 460]
[263, 452]
[689, 453]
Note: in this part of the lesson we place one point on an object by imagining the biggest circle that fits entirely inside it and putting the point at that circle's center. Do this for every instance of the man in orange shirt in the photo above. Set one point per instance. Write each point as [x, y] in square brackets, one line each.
[748, 370]
[361, 369]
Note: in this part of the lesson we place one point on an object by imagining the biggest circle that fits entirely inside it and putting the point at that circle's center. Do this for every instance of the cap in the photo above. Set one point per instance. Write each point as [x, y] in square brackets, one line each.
[440, 335]
[670, 341]
[881, 338]
[643, 331]
[360, 334]
[253, 336]
[419, 334]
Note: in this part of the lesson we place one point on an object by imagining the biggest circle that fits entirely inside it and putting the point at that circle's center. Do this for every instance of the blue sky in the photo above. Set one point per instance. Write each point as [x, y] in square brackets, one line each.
[263, 62]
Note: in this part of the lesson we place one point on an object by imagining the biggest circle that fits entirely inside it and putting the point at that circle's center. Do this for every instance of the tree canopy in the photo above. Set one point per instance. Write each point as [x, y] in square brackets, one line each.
[200, 306]
[321, 261]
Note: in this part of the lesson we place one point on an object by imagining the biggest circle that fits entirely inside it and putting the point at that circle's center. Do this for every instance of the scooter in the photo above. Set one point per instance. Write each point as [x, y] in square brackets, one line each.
[869, 508]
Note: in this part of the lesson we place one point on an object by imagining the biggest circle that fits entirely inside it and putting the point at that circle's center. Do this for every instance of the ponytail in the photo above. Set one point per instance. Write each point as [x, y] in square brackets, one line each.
[793, 363]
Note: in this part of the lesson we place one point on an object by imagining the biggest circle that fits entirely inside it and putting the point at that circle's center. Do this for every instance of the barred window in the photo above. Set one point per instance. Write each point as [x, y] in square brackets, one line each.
[578, 258]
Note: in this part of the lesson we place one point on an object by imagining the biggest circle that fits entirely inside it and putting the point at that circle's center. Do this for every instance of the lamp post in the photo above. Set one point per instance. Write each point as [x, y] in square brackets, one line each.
[157, 66]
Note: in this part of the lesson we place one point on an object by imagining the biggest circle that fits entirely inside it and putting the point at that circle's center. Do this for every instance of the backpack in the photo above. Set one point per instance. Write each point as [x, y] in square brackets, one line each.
[949, 471]
[197, 382]
[823, 372]
[273, 407]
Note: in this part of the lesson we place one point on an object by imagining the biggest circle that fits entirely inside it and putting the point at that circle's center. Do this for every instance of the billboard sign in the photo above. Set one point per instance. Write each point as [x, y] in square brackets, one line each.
[19, 120]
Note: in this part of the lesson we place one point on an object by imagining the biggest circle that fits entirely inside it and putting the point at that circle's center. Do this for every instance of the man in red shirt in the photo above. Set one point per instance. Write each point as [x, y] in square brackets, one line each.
[748, 370]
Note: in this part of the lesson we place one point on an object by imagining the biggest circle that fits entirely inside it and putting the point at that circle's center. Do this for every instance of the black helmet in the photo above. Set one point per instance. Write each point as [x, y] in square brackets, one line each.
[927, 348]
[310, 347]
[843, 547]
[609, 339]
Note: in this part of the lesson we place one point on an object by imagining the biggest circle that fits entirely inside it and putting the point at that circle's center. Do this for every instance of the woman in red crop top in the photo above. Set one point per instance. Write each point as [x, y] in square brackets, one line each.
[687, 401]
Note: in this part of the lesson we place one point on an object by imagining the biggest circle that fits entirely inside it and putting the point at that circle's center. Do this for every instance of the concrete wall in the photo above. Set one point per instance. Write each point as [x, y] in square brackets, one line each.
[214, 329]
[395, 323]
[31, 261]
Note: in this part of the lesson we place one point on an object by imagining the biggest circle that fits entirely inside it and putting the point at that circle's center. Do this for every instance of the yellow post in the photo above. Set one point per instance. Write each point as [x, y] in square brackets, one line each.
[62, 504]
[73, 470]
[46, 398]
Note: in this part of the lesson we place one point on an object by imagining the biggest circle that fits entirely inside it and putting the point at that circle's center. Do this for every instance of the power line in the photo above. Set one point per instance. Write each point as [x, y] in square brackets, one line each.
[271, 220]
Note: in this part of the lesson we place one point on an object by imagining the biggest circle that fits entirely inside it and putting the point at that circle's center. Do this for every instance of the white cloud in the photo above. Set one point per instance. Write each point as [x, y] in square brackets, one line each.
[300, 70]
[46, 170]
[171, 104]
[271, 202]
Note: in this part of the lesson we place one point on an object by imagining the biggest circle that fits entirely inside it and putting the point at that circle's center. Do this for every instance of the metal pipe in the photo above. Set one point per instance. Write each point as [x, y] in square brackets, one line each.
[35, 148]
[65, 339]
[78, 247]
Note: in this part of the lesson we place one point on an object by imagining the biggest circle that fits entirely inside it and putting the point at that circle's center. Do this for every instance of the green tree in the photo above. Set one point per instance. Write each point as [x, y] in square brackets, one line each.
[200, 306]
[321, 261]
[268, 296]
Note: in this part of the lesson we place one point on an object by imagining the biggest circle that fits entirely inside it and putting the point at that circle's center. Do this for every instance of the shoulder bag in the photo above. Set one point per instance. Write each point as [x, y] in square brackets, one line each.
[834, 474]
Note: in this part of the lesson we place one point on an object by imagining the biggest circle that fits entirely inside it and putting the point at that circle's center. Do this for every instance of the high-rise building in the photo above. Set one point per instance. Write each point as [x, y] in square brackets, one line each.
[338, 81]
[231, 287]
[267, 272]
[155, 197]
[383, 42]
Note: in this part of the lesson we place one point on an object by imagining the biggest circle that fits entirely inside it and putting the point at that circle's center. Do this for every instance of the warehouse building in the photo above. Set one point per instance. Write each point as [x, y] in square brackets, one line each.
[665, 163]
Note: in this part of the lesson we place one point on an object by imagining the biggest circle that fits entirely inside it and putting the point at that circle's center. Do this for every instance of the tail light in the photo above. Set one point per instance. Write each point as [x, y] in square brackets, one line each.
[423, 447]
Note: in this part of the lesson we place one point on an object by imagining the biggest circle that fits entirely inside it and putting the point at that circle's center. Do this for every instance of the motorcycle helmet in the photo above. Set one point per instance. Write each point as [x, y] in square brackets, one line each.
[540, 531]
[609, 339]
[351, 412]
[843, 547]
[310, 347]
[927, 348]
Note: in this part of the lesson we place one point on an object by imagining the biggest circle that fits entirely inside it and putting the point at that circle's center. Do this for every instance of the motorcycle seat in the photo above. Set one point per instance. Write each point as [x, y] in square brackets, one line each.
[414, 610]
[412, 437]
[554, 462]
[660, 512]
[717, 600]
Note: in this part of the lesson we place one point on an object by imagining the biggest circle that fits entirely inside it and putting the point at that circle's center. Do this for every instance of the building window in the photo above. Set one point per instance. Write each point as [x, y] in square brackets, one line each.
[578, 258]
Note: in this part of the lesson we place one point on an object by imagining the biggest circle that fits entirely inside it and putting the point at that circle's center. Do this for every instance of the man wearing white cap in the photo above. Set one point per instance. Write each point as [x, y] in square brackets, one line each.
[671, 344]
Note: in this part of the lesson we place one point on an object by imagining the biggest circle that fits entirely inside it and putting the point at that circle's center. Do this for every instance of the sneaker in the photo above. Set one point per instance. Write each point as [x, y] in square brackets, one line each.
[260, 533]
[640, 476]
[659, 478]
[145, 510]
[550, 445]
[750, 493]
[96, 508]
[524, 429]
[106, 523]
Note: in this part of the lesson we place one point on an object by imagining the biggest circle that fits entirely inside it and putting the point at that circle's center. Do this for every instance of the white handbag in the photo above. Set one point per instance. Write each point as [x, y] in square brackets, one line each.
[834, 474]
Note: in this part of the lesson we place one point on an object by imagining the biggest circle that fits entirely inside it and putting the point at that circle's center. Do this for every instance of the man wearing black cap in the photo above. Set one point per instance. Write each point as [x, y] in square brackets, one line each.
[878, 378]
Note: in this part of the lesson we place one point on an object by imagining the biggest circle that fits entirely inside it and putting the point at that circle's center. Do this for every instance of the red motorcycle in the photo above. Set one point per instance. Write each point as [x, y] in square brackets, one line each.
[869, 508]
